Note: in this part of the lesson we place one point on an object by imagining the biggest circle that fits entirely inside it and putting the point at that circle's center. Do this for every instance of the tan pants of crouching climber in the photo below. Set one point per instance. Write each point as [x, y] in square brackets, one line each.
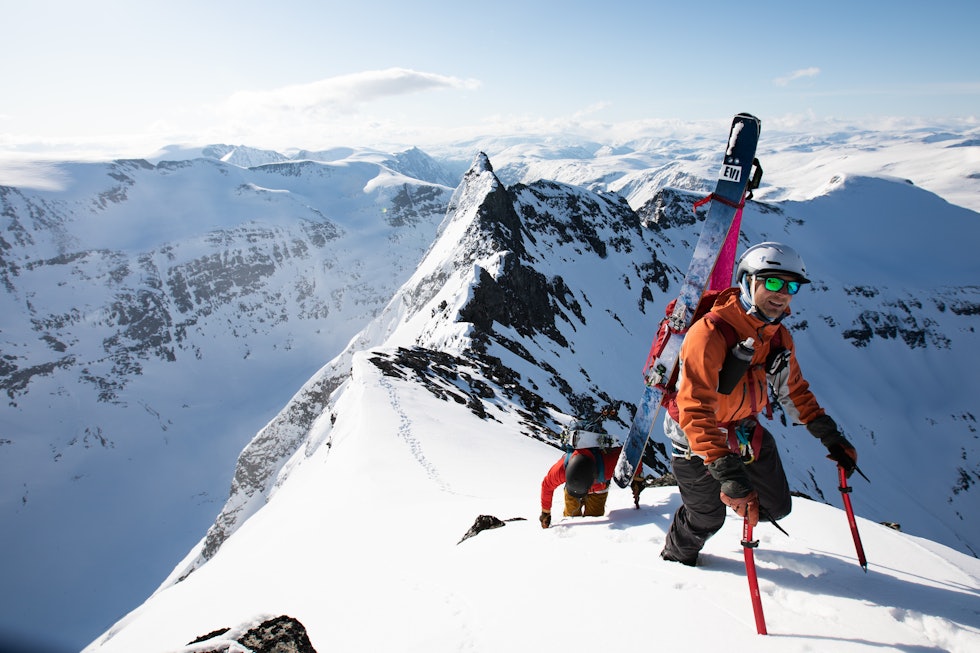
[593, 505]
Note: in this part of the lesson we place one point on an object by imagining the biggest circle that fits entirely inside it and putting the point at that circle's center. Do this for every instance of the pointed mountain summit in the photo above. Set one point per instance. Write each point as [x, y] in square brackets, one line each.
[517, 281]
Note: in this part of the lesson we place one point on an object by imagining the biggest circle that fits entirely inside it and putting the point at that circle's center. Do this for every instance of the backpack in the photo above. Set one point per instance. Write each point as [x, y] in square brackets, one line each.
[587, 432]
[664, 332]
[577, 438]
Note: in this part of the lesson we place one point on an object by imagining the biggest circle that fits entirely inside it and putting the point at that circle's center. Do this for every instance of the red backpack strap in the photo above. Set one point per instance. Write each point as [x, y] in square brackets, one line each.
[727, 330]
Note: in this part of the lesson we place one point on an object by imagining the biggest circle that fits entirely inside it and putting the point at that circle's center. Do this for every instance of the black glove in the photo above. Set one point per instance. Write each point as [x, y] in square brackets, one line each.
[545, 519]
[840, 450]
[845, 456]
[736, 488]
[731, 473]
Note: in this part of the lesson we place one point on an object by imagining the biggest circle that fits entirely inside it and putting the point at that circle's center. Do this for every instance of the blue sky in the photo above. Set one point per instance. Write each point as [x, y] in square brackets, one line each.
[312, 74]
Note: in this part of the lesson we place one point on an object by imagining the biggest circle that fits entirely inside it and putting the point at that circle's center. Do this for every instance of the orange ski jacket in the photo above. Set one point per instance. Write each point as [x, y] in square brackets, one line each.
[702, 411]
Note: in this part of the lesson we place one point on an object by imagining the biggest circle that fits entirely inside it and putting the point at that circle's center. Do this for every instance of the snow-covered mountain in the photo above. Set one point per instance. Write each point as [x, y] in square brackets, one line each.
[535, 302]
[443, 408]
[155, 316]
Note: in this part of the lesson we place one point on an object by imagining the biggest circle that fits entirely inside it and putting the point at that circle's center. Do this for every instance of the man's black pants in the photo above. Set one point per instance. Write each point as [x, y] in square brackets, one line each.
[703, 514]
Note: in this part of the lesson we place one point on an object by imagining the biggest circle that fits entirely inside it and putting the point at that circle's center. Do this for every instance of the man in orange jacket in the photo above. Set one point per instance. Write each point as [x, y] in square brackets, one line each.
[722, 455]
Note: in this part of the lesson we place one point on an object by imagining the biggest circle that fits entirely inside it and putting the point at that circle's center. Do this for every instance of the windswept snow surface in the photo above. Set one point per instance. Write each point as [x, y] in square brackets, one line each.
[361, 543]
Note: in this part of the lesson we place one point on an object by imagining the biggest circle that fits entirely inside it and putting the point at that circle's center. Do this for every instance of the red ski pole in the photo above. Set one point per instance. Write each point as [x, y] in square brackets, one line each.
[845, 492]
[748, 544]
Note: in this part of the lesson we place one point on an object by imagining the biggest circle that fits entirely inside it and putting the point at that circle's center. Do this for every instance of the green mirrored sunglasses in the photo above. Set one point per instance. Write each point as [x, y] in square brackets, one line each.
[775, 284]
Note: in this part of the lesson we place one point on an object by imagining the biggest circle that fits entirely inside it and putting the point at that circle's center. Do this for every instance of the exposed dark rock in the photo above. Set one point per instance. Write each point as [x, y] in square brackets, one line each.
[282, 634]
[482, 523]
[669, 208]
[412, 204]
[469, 380]
[520, 297]
[664, 480]
[211, 635]
[486, 522]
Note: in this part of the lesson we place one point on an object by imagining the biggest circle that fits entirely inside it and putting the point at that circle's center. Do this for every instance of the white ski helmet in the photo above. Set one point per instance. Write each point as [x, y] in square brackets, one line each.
[770, 257]
[762, 258]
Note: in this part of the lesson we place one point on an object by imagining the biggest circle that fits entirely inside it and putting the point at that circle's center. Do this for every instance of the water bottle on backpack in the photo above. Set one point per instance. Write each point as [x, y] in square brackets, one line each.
[736, 365]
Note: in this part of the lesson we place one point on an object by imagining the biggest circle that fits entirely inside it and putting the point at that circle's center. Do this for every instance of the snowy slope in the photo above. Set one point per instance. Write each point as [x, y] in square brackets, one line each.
[362, 545]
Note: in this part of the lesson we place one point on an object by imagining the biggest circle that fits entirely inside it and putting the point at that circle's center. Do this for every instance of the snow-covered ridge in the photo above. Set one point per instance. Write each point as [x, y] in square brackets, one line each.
[366, 532]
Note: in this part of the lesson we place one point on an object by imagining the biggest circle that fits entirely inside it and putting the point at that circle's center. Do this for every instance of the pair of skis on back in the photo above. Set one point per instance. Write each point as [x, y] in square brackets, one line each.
[711, 269]
[720, 231]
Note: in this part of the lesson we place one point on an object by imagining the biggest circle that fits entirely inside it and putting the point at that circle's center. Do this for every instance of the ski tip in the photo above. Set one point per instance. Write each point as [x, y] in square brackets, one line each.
[748, 121]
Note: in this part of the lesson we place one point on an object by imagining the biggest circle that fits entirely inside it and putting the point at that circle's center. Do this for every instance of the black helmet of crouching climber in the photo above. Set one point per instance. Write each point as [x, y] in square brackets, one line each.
[580, 474]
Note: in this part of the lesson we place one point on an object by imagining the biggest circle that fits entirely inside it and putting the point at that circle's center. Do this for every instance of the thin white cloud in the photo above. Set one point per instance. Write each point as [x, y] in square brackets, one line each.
[592, 109]
[343, 93]
[797, 74]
